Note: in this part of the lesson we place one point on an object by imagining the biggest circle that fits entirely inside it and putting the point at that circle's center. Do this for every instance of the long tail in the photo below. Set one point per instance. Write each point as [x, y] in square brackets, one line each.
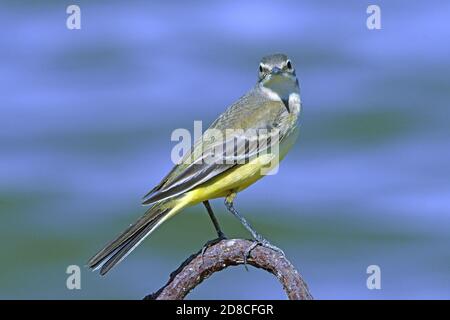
[117, 250]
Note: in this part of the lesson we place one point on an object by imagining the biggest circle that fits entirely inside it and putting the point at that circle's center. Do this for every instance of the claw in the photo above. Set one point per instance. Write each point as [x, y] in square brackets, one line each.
[209, 243]
[248, 251]
[267, 244]
[260, 242]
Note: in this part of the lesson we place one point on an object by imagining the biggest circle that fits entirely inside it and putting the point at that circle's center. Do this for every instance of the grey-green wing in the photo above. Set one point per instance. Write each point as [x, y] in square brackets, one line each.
[252, 111]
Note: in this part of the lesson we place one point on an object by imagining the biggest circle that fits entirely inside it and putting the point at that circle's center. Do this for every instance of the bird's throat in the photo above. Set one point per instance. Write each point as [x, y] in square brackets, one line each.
[280, 88]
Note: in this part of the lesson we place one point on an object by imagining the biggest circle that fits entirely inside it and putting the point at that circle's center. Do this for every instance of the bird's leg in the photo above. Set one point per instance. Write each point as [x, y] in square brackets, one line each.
[220, 235]
[259, 239]
[214, 220]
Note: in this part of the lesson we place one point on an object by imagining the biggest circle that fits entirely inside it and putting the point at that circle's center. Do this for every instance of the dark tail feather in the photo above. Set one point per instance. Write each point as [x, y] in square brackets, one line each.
[118, 249]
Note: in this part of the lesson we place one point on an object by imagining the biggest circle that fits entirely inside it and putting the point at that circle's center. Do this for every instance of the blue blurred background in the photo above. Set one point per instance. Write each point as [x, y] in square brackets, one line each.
[86, 117]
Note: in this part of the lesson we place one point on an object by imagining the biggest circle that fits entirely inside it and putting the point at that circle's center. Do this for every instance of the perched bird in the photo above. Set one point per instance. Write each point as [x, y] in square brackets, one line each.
[271, 106]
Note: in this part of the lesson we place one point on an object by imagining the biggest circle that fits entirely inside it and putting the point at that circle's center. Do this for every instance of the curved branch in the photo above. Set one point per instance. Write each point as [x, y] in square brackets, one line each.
[230, 252]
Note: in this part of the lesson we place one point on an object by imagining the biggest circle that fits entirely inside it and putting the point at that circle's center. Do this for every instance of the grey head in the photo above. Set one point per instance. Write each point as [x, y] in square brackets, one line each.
[277, 78]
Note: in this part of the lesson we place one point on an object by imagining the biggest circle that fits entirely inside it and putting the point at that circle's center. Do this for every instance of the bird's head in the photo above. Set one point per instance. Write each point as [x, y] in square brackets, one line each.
[276, 75]
[275, 64]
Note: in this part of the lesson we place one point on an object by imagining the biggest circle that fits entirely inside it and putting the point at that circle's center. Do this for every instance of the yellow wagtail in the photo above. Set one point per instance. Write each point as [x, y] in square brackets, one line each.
[272, 105]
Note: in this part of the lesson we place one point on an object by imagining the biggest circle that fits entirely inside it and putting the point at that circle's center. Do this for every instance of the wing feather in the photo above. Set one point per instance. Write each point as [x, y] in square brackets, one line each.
[209, 158]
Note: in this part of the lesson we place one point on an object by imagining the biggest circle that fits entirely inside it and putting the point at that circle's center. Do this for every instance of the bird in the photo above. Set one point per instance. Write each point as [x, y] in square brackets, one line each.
[269, 113]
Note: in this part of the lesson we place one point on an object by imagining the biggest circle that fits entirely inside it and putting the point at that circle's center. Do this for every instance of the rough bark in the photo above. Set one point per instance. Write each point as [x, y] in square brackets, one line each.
[230, 252]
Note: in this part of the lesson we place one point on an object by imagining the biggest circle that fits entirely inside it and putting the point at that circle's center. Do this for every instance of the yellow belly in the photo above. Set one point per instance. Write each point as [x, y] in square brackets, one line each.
[233, 180]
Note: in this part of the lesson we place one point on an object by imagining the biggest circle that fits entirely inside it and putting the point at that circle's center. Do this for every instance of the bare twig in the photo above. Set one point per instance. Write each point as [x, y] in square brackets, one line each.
[225, 253]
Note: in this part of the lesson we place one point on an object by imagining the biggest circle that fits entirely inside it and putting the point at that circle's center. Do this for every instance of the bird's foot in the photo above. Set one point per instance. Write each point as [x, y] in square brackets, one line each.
[260, 241]
[221, 236]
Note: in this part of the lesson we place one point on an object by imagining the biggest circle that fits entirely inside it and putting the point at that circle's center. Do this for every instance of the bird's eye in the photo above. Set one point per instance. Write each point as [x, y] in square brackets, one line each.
[289, 65]
[260, 68]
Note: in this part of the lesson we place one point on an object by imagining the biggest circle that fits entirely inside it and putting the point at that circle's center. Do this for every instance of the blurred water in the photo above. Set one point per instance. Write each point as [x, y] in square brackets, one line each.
[86, 118]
